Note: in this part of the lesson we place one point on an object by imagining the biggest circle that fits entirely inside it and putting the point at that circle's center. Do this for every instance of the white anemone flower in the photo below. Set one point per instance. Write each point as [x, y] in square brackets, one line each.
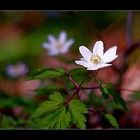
[97, 58]
[59, 45]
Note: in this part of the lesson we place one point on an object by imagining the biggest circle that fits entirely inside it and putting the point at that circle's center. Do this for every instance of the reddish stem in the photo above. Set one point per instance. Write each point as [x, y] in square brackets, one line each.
[73, 81]
[68, 100]
[90, 87]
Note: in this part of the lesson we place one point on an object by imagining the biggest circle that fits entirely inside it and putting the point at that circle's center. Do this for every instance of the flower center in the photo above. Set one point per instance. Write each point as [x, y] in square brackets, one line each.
[58, 45]
[95, 59]
[17, 69]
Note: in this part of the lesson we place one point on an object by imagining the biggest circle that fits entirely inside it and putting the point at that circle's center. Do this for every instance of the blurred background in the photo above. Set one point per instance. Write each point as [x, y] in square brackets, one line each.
[22, 34]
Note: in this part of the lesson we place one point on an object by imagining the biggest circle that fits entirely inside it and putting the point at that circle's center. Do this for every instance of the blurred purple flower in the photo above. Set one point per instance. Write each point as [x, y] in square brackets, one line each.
[58, 46]
[16, 70]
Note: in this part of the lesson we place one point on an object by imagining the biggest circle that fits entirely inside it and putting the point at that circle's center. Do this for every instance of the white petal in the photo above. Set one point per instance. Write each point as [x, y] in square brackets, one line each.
[51, 39]
[96, 67]
[53, 50]
[46, 45]
[105, 65]
[67, 46]
[53, 53]
[83, 63]
[62, 37]
[85, 52]
[92, 68]
[82, 59]
[98, 48]
[110, 55]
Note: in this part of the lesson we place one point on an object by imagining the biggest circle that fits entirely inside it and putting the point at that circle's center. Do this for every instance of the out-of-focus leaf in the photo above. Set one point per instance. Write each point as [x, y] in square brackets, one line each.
[77, 109]
[56, 100]
[8, 122]
[12, 101]
[48, 89]
[106, 96]
[47, 73]
[136, 95]
[112, 120]
[104, 92]
[78, 71]
[96, 101]
[34, 123]
[100, 81]
[117, 98]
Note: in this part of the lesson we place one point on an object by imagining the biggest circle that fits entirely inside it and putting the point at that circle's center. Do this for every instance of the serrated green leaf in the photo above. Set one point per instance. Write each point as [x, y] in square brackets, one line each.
[78, 105]
[57, 97]
[77, 109]
[112, 120]
[57, 119]
[47, 106]
[44, 108]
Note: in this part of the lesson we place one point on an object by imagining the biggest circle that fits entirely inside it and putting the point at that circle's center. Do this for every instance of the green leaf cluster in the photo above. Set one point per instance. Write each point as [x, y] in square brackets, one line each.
[57, 115]
[77, 109]
[46, 73]
[110, 90]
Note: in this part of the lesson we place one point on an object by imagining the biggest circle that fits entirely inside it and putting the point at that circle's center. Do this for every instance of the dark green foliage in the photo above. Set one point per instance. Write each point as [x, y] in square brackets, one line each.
[57, 119]
[57, 115]
[56, 100]
[77, 109]
[109, 90]
[47, 73]
[48, 89]
[112, 120]
[8, 122]
[13, 101]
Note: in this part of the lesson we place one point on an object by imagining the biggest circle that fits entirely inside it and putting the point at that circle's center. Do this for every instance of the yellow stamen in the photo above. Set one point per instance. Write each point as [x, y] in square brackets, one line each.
[95, 59]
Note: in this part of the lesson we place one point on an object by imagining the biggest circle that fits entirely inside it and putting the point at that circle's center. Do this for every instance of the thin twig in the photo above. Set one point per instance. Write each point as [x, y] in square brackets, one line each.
[84, 88]
[131, 48]
[73, 81]
[69, 99]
